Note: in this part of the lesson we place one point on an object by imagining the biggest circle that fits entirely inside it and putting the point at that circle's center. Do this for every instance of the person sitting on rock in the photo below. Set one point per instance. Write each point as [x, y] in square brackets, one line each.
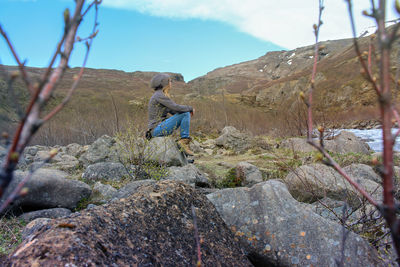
[160, 105]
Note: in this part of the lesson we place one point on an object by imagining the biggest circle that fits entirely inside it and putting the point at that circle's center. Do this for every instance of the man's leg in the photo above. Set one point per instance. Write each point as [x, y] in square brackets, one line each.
[185, 125]
[169, 125]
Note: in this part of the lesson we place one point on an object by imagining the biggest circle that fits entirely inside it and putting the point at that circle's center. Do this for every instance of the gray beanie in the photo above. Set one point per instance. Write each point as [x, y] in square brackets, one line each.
[159, 80]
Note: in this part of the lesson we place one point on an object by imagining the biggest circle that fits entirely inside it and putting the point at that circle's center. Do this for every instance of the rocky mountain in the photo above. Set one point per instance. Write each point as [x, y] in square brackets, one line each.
[275, 80]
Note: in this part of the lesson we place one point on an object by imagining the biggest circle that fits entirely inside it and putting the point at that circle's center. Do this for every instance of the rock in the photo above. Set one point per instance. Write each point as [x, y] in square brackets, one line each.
[34, 226]
[226, 164]
[48, 189]
[209, 151]
[48, 213]
[164, 150]
[248, 173]
[91, 206]
[102, 192]
[42, 155]
[281, 232]
[311, 182]
[131, 188]
[231, 138]
[31, 151]
[297, 144]
[196, 147]
[153, 227]
[74, 150]
[105, 171]
[65, 162]
[331, 209]
[362, 171]
[209, 143]
[3, 153]
[102, 150]
[189, 174]
[347, 142]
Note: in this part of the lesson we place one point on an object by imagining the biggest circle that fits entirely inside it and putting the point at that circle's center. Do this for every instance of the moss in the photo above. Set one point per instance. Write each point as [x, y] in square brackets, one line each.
[10, 234]
[231, 180]
[350, 158]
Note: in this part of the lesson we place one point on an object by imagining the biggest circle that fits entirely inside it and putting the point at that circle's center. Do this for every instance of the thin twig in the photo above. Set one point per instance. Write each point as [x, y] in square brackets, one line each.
[396, 115]
[358, 51]
[330, 161]
[16, 193]
[196, 233]
[21, 65]
[314, 71]
[42, 91]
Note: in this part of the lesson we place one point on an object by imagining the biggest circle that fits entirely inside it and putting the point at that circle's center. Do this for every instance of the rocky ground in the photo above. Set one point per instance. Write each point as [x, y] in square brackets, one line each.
[249, 200]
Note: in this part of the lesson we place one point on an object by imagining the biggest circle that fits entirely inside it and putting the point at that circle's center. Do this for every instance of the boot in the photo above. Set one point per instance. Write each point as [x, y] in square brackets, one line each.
[184, 144]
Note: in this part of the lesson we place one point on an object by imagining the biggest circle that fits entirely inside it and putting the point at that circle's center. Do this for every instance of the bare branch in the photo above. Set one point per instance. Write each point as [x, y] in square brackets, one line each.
[17, 191]
[196, 233]
[42, 91]
[79, 76]
[21, 65]
[370, 77]
[314, 71]
[320, 147]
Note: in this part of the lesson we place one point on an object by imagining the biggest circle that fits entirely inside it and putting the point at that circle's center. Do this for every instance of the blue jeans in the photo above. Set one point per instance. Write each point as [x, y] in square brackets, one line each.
[166, 127]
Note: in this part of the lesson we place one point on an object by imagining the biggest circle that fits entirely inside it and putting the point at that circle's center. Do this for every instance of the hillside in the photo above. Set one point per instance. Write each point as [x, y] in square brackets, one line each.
[274, 81]
[101, 96]
[258, 96]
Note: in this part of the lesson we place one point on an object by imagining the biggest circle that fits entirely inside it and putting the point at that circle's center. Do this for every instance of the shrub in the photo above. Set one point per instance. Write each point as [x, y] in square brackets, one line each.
[134, 151]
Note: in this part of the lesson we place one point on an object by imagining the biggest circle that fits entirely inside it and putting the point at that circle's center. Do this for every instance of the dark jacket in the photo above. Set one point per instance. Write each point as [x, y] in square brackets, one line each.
[159, 107]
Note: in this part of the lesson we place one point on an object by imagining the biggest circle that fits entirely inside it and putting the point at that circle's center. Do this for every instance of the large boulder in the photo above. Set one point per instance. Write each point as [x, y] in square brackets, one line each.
[362, 171]
[153, 227]
[47, 189]
[282, 232]
[111, 171]
[233, 139]
[347, 142]
[308, 183]
[102, 150]
[189, 174]
[297, 144]
[344, 142]
[164, 151]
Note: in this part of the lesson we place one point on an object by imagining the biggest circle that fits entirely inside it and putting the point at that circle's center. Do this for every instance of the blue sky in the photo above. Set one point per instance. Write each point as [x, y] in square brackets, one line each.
[184, 36]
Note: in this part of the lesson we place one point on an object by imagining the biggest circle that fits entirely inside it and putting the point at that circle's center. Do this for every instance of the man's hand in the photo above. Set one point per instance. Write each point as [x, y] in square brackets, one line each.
[192, 112]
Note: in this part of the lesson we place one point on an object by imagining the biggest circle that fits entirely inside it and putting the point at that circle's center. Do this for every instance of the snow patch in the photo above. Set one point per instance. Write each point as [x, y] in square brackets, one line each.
[261, 70]
[311, 57]
[289, 62]
[292, 55]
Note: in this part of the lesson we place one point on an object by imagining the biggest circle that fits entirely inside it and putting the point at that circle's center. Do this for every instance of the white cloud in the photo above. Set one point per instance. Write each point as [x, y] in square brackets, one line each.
[286, 22]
